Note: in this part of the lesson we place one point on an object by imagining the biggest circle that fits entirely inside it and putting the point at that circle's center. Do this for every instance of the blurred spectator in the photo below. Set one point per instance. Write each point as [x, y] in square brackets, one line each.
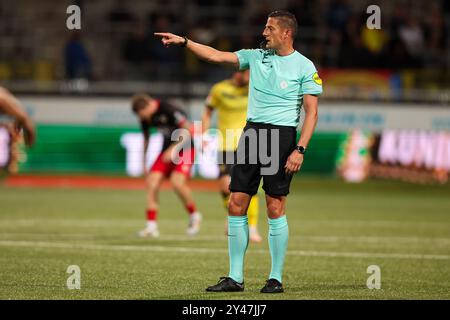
[77, 61]
[120, 13]
[398, 18]
[136, 48]
[412, 35]
[334, 46]
[259, 18]
[399, 57]
[435, 35]
[205, 34]
[332, 33]
[353, 53]
[338, 14]
[236, 4]
[166, 61]
[246, 41]
[204, 3]
[304, 11]
[374, 40]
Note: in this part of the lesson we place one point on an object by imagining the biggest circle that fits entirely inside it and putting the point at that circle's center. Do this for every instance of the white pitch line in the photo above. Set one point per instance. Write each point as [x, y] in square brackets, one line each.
[332, 239]
[376, 239]
[133, 222]
[177, 237]
[310, 253]
[65, 245]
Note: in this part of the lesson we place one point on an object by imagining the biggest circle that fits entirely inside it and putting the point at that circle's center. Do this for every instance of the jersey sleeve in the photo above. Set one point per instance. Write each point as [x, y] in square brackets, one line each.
[213, 99]
[245, 57]
[311, 82]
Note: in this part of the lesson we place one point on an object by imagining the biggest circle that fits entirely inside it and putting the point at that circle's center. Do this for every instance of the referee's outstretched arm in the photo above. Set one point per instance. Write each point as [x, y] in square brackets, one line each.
[206, 53]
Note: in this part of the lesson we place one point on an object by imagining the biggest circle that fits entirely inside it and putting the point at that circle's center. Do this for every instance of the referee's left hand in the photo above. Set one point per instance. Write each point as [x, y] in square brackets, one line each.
[294, 162]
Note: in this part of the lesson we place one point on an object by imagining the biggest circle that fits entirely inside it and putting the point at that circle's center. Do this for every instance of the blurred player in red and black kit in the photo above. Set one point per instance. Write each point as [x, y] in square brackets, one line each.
[175, 160]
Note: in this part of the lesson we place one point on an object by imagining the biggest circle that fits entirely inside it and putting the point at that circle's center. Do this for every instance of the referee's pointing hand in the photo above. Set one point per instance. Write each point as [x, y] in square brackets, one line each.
[169, 38]
[294, 162]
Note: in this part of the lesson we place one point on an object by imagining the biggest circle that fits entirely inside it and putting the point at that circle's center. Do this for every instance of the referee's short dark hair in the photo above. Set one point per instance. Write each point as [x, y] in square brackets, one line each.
[287, 20]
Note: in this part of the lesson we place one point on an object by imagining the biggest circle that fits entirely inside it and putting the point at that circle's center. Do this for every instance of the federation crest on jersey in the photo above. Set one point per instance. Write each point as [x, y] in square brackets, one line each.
[283, 84]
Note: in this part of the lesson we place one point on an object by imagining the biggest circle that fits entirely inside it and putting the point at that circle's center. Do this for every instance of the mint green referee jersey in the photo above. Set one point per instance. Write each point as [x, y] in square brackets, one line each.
[277, 85]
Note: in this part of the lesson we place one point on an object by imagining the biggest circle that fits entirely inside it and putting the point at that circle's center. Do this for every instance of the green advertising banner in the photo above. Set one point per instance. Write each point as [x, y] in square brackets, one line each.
[105, 150]
[87, 149]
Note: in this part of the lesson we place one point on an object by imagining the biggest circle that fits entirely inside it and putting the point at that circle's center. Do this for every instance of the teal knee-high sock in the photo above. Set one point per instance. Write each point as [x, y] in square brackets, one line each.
[237, 245]
[278, 240]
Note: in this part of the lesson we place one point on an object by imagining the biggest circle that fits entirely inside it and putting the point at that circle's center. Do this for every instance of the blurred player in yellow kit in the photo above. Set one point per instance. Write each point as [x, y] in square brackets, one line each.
[229, 97]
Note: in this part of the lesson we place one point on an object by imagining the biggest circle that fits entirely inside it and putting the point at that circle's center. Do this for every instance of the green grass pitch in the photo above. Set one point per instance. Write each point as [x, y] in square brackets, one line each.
[336, 231]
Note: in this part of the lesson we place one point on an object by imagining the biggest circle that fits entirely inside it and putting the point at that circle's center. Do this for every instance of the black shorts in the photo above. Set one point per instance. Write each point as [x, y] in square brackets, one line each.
[224, 165]
[262, 152]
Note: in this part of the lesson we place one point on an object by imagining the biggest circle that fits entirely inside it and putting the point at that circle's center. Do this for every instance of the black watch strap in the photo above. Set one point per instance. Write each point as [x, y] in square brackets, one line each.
[185, 41]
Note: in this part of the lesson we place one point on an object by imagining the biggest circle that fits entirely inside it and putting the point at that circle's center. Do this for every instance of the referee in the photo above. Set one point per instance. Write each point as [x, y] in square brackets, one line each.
[281, 81]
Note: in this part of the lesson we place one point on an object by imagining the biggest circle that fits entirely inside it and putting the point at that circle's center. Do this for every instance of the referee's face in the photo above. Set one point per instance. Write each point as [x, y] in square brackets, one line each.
[273, 33]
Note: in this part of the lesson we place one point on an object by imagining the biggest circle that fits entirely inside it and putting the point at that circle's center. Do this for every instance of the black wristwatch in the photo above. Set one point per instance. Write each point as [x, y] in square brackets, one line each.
[300, 149]
[184, 44]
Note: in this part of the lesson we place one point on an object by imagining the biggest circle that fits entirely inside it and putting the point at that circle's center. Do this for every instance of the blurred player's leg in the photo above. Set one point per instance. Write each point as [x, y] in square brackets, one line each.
[179, 182]
[153, 182]
[224, 182]
[252, 213]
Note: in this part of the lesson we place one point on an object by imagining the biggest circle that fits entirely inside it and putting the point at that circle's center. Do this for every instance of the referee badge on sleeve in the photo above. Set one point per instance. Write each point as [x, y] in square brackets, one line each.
[317, 79]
